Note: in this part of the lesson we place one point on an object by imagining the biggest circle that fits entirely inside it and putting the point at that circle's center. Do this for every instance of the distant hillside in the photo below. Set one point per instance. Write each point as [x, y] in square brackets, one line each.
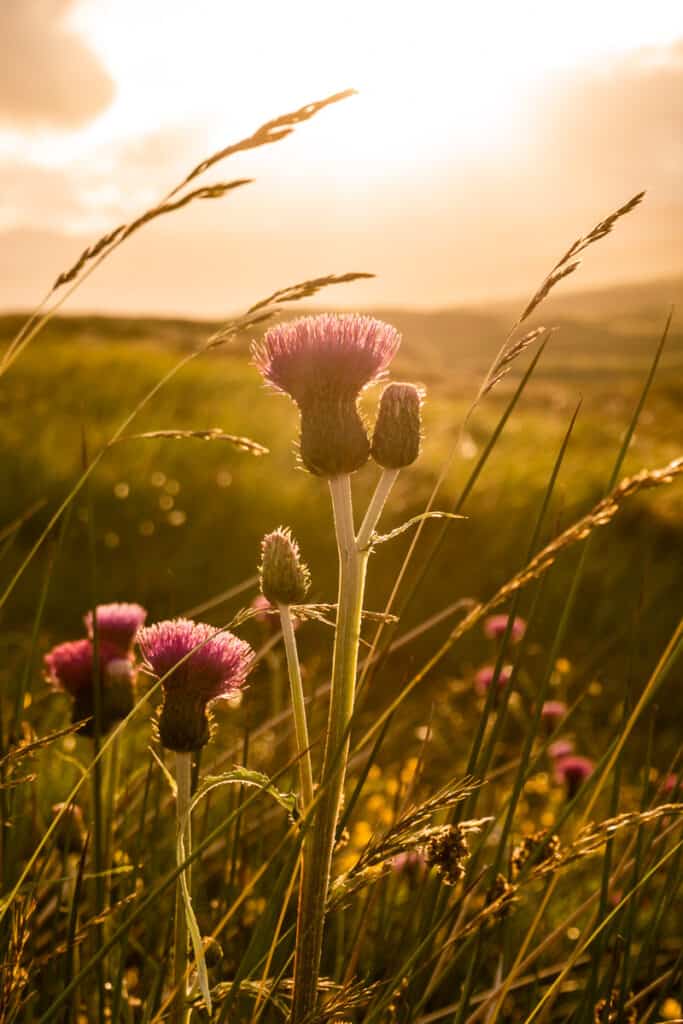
[596, 328]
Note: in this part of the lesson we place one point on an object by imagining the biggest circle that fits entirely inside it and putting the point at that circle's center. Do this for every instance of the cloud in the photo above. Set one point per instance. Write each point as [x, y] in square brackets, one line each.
[48, 75]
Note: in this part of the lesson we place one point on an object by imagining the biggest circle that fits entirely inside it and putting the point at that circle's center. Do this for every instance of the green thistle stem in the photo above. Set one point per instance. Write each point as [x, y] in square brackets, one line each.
[318, 849]
[298, 706]
[183, 774]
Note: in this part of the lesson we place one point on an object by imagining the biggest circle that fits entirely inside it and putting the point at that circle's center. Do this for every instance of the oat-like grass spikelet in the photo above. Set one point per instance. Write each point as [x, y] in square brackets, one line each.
[92, 256]
[599, 515]
[214, 434]
[565, 266]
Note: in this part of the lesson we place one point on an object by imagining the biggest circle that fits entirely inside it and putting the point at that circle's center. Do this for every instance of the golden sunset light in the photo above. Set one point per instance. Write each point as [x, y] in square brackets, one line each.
[461, 110]
[341, 511]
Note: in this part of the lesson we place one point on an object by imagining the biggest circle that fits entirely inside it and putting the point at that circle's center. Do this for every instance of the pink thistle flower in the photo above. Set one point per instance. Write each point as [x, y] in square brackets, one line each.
[117, 623]
[560, 748]
[267, 615]
[323, 363]
[198, 664]
[484, 677]
[495, 626]
[408, 861]
[70, 667]
[573, 771]
[552, 713]
[337, 353]
[672, 783]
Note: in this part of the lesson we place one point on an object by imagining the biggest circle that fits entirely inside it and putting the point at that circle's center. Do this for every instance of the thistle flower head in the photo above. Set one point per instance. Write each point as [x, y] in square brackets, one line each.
[560, 748]
[573, 771]
[216, 665]
[71, 667]
[284, 578]
[197, 664]
[495, 626]
[117, 623]
[398, 430]
[323, 363]
[552, 713]
[330, 354]
[484, 677]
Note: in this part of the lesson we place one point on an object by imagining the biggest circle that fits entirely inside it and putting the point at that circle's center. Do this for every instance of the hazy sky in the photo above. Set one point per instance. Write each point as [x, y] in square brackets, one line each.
[484, 138]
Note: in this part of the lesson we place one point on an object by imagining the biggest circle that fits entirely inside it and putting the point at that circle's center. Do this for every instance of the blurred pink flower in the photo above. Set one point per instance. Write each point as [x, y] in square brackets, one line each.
[117, 623]
[561, 748]
[70, 667]
[484, 677]
[553, 712]
[495, 626]
[268, 616]
[672, 783]
[573, 771]
[409, 860]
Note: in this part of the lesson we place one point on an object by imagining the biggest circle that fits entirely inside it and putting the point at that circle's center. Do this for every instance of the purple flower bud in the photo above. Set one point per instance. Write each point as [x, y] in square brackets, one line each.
[495, 626]
[117, 624]
[198, 664]
[323, 363]
[573, 771]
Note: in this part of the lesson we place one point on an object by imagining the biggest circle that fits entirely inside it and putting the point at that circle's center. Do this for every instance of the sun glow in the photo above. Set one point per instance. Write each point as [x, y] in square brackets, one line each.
[434, 78]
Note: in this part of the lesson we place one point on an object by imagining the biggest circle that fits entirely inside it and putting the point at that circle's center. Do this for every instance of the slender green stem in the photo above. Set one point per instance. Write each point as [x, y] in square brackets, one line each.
[298, 706]
[183, 773]
[384, 485]
[353, 560]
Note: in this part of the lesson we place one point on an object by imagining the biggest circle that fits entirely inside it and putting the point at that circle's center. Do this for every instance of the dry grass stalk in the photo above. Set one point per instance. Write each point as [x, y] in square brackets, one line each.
[91, 257]
[214, 434]
[270, 132]
[592, 838]
[564, 267]
[114, 238]
[600, 515]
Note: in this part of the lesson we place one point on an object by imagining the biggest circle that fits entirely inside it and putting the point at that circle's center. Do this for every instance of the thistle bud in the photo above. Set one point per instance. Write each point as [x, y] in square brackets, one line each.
[285, 579]
[323, 363]
[397, 436]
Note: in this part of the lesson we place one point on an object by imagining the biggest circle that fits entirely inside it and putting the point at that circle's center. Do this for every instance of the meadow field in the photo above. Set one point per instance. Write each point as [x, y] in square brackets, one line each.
[176, 525]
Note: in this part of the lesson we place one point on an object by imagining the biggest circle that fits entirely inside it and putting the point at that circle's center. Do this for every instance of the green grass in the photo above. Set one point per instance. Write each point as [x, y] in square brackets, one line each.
[73, 388]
